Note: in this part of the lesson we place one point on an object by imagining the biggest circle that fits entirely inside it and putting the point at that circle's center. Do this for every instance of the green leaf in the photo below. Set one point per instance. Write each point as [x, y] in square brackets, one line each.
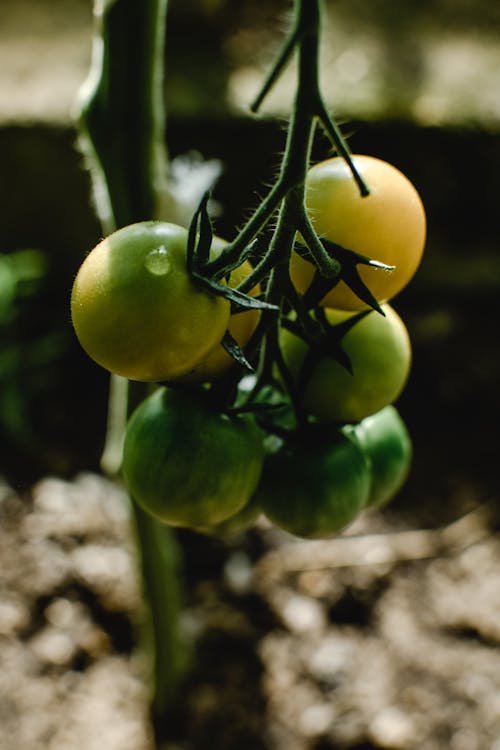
[334, 334]
[206, 234]
[191, 243]
[232, 348]
[295, 327]
[233, 295]
[349, 260]
[350, 276]
[318, 288]
[200, 236]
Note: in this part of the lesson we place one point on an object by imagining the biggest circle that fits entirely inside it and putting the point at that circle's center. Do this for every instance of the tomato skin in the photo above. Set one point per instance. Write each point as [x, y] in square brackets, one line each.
[186, 463]
[380, 352]
[386, 441]
[315, 488]
[388, 225]
[135, 309]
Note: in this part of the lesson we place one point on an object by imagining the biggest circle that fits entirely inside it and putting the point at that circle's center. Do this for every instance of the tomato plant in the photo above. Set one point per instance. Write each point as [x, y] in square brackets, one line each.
[385, 440]
[388, 225]
[187, 463]
[315, 486]
[378, 351]
[136, 310]
[156, 302]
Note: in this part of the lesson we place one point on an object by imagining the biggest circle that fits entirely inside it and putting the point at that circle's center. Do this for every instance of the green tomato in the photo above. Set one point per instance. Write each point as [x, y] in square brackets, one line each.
[385, 440]
[136, 310]
[316, 487]
[379, 349]
[188, 464]
[388, 225]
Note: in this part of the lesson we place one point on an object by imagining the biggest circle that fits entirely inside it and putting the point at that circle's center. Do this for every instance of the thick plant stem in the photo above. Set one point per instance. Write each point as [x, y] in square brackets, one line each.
[160, 564]
[121, 132]
[122, 120]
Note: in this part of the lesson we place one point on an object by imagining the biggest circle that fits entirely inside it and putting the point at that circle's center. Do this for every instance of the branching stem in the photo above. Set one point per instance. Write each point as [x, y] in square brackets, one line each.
[309, 109]
[287, 197]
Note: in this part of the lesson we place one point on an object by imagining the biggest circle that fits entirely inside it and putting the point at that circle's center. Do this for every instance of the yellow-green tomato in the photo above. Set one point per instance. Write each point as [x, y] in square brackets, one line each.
[314, 488]
[186, 463]
[136, 310]
[388, 225]
[379, 350]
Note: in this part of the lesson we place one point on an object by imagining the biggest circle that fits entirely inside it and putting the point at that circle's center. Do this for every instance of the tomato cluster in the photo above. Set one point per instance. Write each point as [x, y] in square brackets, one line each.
[342, 357]
[190, 465]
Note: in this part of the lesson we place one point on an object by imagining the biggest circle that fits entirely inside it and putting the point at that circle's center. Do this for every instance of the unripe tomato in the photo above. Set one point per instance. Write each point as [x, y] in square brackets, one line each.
[136, 310]
[241, 327]
[188, 464]
[385, 440]
[316, 487]
[388, 225]
[380, 353]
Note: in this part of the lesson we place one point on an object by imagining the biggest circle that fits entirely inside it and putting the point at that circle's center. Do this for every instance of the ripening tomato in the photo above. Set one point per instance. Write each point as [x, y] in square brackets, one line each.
[137, 312]
[388, 225]
[379, 350]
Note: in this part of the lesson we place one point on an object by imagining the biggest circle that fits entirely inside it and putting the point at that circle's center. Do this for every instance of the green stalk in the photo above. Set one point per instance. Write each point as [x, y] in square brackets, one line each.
[121, 133]
[309, 110]
[305, 35]
[160, 563]
[122, 117]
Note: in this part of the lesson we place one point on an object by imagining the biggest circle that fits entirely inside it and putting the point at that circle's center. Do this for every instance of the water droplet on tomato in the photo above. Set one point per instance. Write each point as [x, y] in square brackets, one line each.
[157, 261]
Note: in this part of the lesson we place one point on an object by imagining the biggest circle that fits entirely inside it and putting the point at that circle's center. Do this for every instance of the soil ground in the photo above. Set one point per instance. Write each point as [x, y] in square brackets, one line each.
[387, 637]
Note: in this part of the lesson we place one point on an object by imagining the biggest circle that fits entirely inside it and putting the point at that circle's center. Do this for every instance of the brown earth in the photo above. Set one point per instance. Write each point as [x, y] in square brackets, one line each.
[384, 638]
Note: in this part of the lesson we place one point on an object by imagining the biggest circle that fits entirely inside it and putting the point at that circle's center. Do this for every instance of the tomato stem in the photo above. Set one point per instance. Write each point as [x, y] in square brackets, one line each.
[121, 134]
[282, 59]
[122, 120]
[309, 109]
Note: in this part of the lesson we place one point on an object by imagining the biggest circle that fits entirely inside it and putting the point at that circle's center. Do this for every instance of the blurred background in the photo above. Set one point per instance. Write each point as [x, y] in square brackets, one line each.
[415, 83]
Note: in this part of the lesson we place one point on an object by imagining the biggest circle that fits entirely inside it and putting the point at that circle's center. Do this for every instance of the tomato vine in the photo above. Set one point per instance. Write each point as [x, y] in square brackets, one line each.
[287, 199]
